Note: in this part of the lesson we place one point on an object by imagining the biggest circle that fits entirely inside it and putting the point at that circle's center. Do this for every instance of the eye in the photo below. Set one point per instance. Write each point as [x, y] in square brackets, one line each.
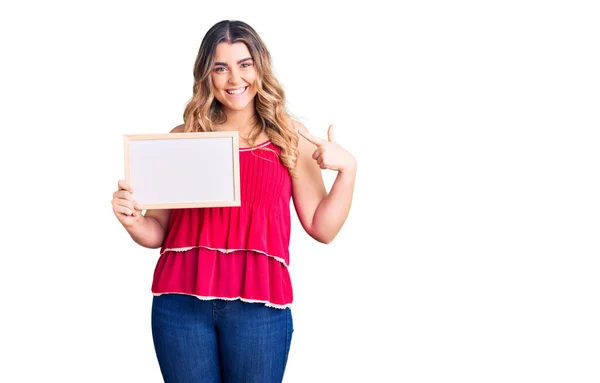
[246, 65]
[220, 69]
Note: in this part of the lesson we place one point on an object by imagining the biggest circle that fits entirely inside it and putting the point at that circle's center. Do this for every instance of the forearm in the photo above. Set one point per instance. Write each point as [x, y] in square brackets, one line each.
[147, 232]
[333, 210]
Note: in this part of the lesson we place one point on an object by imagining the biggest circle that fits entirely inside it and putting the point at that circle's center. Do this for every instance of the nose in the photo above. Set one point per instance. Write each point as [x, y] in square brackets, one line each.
[234, 77]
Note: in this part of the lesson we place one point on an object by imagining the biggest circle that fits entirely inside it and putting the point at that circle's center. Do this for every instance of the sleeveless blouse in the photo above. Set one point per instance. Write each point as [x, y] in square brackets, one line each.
[234, 252]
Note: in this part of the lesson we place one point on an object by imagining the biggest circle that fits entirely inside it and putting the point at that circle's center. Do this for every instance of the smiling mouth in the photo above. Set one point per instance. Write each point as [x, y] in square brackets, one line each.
[237, 91]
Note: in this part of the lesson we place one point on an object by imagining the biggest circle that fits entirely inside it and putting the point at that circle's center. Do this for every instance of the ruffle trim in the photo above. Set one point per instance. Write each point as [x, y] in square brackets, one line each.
[226, 251]
[212, 274]
[205, 298]
[264, 229]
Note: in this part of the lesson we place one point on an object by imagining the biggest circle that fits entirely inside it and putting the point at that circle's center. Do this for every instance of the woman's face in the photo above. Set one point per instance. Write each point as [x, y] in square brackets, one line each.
[233, 76]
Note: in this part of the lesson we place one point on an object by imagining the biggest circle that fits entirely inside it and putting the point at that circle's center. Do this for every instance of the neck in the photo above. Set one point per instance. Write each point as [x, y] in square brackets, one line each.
[240, 120]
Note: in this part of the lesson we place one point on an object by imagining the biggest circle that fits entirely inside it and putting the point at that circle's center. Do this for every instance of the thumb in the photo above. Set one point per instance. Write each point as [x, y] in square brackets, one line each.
[330, 135]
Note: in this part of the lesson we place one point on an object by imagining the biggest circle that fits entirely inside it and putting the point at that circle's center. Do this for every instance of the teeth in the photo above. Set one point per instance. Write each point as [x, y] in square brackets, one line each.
[236, 91]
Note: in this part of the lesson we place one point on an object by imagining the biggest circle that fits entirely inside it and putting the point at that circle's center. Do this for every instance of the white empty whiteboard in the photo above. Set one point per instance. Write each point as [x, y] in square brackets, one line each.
[182, 170]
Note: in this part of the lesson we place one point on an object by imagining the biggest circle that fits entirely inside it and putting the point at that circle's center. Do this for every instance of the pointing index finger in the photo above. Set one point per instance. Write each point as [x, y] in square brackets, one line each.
[315, 140]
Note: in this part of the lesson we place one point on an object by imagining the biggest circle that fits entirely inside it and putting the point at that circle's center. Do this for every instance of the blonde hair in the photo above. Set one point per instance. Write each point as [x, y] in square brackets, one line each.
[203, 110]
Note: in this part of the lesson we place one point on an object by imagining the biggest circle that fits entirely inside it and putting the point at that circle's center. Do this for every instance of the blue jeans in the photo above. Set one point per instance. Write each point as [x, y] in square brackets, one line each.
[219, 341]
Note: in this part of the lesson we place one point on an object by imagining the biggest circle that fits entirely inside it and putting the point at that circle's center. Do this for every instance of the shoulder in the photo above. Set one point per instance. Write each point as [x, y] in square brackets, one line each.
[299, 127]
[303, 144]
[178, 129]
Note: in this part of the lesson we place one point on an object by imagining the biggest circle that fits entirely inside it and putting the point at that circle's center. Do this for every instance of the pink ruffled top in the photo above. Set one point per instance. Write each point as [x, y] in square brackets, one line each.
[234, 252]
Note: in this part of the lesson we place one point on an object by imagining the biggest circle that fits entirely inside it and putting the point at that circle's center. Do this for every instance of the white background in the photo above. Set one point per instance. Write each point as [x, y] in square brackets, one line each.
[471, 251]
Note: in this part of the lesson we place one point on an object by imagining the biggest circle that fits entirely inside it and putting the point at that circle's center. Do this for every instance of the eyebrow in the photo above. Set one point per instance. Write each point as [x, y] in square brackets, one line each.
[239, 61]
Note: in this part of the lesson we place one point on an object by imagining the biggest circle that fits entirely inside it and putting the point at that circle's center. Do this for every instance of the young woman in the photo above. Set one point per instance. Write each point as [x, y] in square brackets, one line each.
[222, 290]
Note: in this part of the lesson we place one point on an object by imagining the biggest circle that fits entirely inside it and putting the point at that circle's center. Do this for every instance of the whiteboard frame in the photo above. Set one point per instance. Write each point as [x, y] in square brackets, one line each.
[236, 201]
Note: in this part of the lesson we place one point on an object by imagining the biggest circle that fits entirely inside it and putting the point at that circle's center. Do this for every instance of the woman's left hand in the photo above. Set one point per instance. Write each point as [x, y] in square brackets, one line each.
[330, 155]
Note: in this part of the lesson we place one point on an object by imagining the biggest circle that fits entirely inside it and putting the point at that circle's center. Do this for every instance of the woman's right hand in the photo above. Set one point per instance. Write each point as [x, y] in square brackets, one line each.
[125, 207]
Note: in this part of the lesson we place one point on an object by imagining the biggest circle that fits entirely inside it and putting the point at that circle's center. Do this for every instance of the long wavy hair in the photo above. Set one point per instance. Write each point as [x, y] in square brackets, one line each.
[203, 111]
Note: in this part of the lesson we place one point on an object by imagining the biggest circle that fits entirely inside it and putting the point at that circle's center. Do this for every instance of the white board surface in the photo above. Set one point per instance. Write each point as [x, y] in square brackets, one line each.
[179, 170]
